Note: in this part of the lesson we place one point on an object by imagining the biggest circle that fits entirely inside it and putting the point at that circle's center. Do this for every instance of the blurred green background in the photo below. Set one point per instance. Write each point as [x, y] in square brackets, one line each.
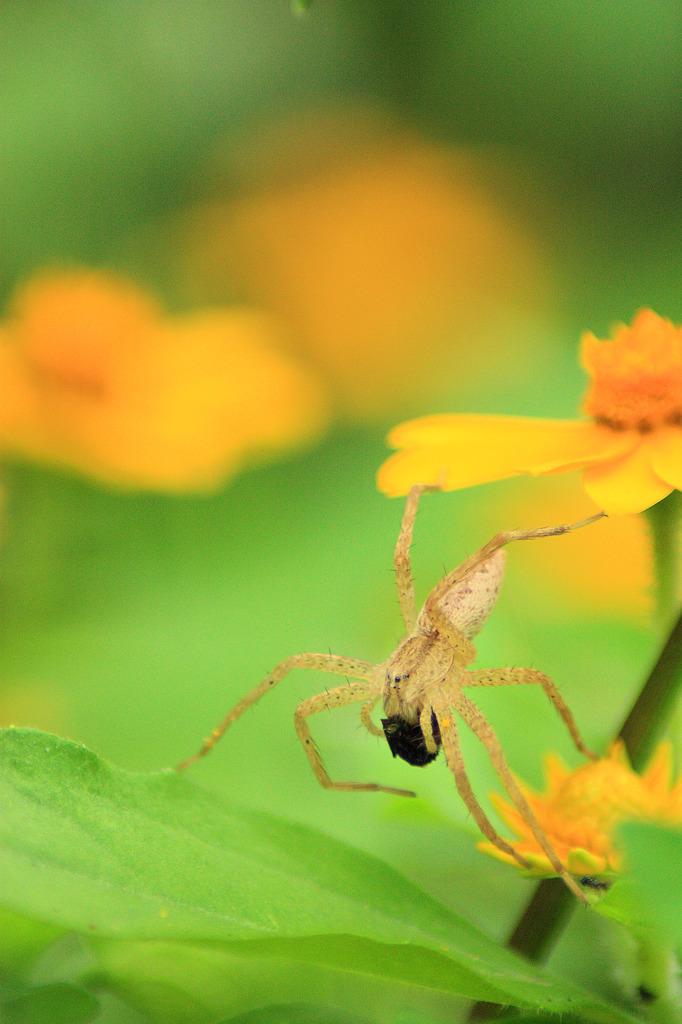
[217, 152]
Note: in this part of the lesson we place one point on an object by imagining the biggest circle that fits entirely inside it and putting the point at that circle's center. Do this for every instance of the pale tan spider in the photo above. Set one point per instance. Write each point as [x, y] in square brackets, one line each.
[422, 682]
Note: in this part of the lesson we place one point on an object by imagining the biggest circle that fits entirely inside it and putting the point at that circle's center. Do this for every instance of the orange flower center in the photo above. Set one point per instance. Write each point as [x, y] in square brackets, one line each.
[601, 794]
[636, 376]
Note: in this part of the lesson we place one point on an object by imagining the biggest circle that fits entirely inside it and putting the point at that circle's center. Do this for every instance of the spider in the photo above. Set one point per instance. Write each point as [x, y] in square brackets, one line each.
[423, 681]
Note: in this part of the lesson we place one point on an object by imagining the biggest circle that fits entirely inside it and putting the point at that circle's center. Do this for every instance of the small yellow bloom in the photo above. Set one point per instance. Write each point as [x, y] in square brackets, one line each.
[100, 380]
[630, 449]
[581, 809]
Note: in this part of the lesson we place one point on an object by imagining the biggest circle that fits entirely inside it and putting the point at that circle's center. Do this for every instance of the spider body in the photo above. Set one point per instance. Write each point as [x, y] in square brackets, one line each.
[421, 685]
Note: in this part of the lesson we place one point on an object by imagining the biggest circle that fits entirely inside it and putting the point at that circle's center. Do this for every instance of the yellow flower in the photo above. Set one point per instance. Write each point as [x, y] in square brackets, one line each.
[630, 449]
[581, 809]
[391, 258]
[588, 576]
[103, 382]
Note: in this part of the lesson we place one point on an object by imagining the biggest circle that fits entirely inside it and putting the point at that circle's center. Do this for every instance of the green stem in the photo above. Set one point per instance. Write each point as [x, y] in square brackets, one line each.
[548, 912]
[647, 719]
[659, 982]
[664, 522]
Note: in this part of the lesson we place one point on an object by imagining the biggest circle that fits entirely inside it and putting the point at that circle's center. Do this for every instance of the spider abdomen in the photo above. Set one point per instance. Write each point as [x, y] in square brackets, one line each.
[470, 601]
[406, 740]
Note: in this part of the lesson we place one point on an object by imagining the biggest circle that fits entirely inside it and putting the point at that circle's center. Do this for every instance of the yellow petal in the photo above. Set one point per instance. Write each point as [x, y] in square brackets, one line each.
[492, 851]
[555, 772]
[659, 773]
[627, 484]
[510, 816]
[666, 458]
[618, 754]
[461, 451]
[539, 864]
[17, 394]
[674, 802]
[584, 862]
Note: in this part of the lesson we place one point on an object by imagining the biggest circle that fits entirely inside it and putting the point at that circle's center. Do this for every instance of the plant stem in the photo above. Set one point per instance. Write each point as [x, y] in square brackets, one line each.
[548, 912]
[664, 522]
[642, 728]
[659, 981]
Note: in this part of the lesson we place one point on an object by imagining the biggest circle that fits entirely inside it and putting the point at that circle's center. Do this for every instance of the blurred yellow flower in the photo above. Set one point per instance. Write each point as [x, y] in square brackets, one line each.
[99, 380]
[581, 809]
[391, 258]
[588, 577]
[630, 450]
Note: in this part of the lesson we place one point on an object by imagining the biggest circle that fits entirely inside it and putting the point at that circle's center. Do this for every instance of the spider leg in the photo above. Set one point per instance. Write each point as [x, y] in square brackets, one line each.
[511, 676]
[320, 662]
[453, 754]
[457, 641]
[365, 712]
[483, 730]
[324, 702]
[426, 726]
[403, 568]
[497, 542]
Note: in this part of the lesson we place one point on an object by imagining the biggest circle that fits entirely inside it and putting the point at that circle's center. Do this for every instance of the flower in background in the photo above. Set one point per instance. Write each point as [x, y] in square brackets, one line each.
[392, 259]
[580, 810]
[100, 380]
[587, 577]
[630, 450]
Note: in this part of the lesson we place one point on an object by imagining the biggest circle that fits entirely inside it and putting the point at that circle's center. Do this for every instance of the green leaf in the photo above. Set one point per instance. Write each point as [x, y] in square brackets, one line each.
[653, 886]
[297, 1013]
[58, 1004]
[139, 861]
[21, 940]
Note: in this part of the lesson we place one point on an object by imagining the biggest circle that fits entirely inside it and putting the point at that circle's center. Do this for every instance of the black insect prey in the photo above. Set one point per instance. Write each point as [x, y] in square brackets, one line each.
[406, 740]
